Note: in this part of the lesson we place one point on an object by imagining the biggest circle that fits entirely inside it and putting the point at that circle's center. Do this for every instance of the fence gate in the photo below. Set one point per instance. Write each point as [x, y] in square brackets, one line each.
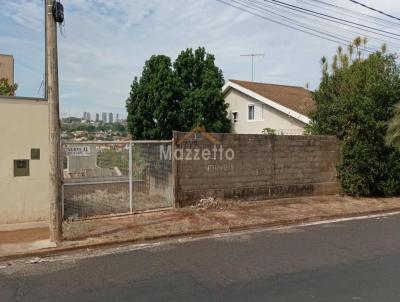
[102, 178]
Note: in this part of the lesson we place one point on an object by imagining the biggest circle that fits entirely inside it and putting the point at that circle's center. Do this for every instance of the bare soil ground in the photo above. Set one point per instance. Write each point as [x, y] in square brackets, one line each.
[221, 216]
[102, 202]
[20, 236]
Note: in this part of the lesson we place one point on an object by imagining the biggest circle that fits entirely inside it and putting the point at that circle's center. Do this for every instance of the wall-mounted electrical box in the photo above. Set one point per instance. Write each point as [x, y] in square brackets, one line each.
[35, 154]
[21, 167]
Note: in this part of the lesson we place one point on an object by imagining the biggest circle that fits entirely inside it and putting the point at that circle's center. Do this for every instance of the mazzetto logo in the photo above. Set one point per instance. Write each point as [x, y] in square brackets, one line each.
[193, 146]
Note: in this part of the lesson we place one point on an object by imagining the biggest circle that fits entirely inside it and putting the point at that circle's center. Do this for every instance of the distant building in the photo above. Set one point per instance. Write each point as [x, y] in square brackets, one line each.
[97, 117]
[117, 118]
[86, 116]
[7, 68]
[104, 117]
[110, 118]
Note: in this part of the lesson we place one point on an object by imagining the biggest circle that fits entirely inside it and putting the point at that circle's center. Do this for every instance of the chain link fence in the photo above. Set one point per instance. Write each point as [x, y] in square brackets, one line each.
[102, 178]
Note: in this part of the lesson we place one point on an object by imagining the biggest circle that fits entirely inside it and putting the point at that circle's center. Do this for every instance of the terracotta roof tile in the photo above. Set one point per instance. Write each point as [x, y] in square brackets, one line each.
[296, 98]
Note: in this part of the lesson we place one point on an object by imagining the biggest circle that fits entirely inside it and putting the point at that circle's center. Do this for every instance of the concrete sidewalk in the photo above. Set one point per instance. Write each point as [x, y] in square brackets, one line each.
[215, 217]
[24, 238]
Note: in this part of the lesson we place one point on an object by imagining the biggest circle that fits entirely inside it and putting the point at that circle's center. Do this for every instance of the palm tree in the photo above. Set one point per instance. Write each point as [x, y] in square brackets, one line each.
[384, 48]
[345, 61]
[393, 133]
[365, 41]
[357, 43]
[350, 48]
[339, 54]
[324, 64]
[335, 64]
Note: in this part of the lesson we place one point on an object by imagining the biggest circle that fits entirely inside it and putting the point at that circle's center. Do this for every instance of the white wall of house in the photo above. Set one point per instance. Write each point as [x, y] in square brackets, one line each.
[24, 125]
[264, 115]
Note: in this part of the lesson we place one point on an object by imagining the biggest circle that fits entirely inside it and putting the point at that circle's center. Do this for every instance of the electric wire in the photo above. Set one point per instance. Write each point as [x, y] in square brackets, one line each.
[334, 40]
[312, 12]
[349, 13]
[299, 23]
[375, 10]
[264, 6]
[355, 12]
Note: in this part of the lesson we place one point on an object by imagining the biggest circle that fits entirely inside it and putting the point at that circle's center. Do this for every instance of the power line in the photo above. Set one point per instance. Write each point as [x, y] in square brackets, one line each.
[336, 41]
[375, 10]
[356, 12]
[297, 23]
[262, 6]
[299, 26]
[269, 10]
[290, 20]
[350, 13]
[305, 10]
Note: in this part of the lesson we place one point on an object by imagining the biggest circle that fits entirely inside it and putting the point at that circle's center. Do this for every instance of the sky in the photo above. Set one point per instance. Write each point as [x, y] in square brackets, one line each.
[104, 44]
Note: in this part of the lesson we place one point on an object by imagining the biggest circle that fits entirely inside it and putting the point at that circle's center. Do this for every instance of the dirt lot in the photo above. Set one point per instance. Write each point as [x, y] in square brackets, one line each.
[101, 202]
[210, 216]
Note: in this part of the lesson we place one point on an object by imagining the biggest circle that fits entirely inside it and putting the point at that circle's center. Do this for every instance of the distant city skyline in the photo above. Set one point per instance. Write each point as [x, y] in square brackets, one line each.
[106, 117]
[93, 115]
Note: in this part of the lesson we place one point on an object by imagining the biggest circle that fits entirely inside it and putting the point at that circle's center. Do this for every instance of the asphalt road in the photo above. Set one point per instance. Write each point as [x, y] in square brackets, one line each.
[346, 261]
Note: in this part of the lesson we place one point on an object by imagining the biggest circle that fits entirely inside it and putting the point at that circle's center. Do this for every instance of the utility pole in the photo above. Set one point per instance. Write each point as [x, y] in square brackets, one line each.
[52, 94]
[253, 55]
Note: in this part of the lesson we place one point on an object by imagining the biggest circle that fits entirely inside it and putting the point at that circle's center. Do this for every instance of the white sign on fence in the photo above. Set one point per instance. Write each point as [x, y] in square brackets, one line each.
[78, 151]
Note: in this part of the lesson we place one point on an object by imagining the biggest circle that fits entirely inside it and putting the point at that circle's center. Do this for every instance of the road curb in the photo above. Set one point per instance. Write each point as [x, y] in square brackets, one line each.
[199, 234]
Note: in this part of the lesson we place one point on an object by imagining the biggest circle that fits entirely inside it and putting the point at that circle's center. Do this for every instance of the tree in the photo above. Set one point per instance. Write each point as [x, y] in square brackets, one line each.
[202, 102]
[177, 96]
[6, 89]
[355, 101]
[153, 104]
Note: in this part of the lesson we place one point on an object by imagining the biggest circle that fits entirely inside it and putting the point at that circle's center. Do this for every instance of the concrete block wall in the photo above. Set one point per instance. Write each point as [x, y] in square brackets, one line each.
[263, 167]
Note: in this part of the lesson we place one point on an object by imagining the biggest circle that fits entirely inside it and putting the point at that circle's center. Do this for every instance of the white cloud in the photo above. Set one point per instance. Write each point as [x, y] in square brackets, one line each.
[106, 43]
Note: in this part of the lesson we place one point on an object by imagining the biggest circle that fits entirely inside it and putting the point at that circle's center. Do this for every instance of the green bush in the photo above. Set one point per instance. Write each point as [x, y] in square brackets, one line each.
[7, 89]
[355, 101]
[269, 131]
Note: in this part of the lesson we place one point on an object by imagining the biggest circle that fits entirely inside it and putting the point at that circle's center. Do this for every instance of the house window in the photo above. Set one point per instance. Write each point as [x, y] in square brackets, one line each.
[235, 117]
[251, 112]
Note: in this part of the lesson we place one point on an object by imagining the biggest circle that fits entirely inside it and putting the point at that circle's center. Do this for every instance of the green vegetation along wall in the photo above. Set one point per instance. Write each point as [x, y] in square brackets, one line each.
[355, 101]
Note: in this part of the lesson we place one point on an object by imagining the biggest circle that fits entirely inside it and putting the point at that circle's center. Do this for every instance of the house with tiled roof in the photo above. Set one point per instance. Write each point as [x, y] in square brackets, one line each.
[254, 107]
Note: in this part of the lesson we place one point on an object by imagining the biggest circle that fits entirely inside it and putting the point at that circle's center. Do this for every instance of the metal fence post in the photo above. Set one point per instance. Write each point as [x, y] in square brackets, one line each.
[130, 179]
